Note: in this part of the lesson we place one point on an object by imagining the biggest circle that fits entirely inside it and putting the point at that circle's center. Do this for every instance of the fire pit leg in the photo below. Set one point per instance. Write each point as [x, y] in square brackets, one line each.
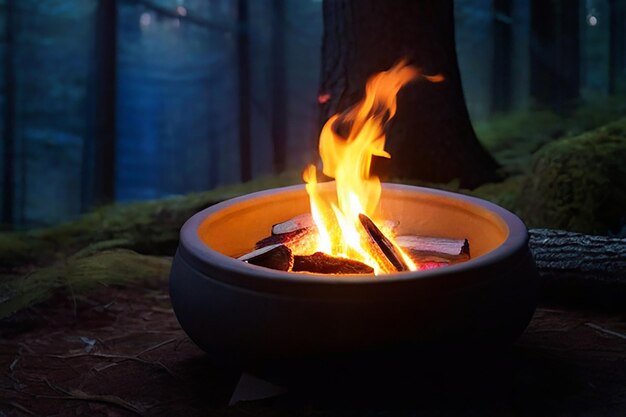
[250, 388]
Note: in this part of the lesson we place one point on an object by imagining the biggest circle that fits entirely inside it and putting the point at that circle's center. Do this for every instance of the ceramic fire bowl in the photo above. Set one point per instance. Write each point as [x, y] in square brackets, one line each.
[251, 316]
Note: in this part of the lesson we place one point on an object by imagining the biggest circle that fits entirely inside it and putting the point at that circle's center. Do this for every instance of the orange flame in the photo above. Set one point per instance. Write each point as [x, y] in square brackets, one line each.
[348, 160]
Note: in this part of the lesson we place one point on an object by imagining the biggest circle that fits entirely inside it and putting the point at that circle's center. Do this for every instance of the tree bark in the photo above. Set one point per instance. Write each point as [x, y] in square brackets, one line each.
[431, 137]
[617, 45]
[580, 268]
[243, 68]
[279, 87]
[502, 55]
[555, 52]
[98, 165]
[8, 166]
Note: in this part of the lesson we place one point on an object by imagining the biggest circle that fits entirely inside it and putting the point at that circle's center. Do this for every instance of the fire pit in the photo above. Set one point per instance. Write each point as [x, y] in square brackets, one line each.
[246, 282]
[249, 315]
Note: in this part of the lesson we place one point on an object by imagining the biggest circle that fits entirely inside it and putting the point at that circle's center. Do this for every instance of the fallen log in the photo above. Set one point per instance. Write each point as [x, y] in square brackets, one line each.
[320, 263]
[580, 269]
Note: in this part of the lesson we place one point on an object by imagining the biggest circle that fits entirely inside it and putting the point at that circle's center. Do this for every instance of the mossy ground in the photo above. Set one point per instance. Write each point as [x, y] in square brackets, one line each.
[554, 177]
[115, 244]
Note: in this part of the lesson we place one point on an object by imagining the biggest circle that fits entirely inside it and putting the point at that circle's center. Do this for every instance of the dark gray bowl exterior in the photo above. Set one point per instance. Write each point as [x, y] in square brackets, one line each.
[250, 316]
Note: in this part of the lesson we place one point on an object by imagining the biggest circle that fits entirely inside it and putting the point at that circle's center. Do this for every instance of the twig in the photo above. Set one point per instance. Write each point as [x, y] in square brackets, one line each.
[102, 355]
[129, 334]
[107, 366]
[606, 331]
[13, 364]
[118, 357]
[26, 348]
[104, 399]
[18, 407]
[157, 346]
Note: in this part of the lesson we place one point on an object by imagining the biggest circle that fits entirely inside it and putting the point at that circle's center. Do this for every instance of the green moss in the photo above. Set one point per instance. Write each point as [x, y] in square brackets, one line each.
[147, 227]
[514, 137]
[104, 246]
[80, 275]
[505, 193]
[579, 183]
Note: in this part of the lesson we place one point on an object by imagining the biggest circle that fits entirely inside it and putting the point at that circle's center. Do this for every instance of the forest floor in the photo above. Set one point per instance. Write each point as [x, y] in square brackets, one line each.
[120, 351]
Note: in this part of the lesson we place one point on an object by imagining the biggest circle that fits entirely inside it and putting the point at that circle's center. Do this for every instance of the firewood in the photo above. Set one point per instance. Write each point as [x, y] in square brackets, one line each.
[434, 249]
[301, 221]
[277, 257]
[387, 248]
[286, 239]
[320, 263]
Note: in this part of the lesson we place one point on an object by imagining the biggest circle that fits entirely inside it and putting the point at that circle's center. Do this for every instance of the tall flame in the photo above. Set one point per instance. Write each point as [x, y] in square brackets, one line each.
[348, 160]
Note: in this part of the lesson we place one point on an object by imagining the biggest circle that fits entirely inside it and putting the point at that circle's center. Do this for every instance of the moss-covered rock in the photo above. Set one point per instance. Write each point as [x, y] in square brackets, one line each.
[513, 138]
[579, 183]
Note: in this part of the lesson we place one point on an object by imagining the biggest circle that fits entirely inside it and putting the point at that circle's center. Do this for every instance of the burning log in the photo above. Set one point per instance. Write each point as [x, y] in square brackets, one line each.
[301, 221]
[320, 263]
[277, 257]
[386, 248]
[290, 239]
[423, 249]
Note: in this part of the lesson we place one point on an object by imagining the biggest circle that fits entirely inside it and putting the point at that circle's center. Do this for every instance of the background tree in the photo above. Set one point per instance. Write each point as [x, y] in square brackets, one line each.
[279, 85]
[617, 45]
[555, 52]
[243, 71]
[8, 174]
[98, 165]
[502, 55]
[431, 137]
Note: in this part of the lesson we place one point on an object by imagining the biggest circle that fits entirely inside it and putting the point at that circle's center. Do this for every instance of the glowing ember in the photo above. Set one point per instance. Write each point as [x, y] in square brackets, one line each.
[348, 160]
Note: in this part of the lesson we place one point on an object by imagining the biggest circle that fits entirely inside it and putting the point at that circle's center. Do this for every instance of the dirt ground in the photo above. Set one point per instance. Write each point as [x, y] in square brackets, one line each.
[120, 351]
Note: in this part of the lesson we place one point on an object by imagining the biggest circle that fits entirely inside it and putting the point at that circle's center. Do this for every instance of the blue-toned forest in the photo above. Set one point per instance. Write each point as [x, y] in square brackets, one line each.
[142, 274]
[173, 80]
[145, 100]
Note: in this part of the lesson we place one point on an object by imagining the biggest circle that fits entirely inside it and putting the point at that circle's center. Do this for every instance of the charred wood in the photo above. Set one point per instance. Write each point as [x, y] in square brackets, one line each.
[289, 238]
[277, 257]
[320, 263]
[386, 247]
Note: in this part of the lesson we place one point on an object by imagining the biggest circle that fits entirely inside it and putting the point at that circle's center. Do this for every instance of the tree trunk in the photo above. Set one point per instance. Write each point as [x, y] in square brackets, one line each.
[279, 87]
[555, 56]
[502, 55]
[98, 165]
[431, 137]
[617, 46]
[243, 68]
[8, 174]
